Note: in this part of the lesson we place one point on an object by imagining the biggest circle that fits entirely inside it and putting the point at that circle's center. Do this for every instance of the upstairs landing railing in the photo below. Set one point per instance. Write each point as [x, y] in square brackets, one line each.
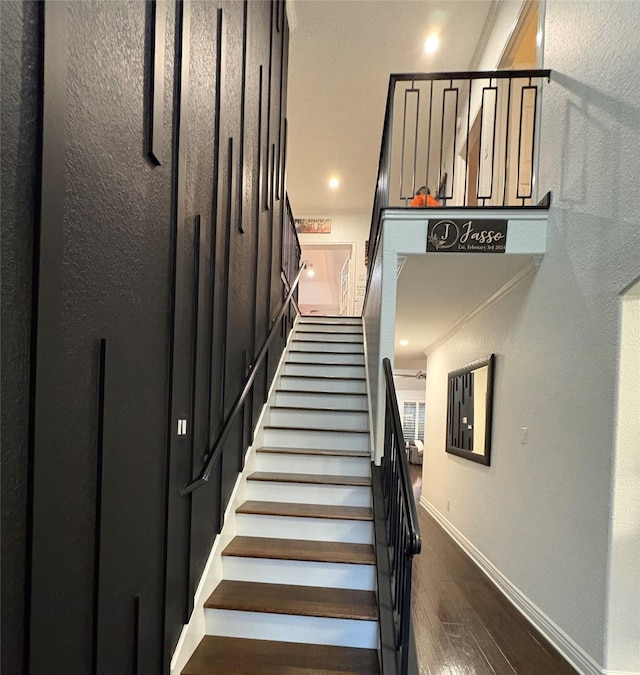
[471, 138]
[403, 531]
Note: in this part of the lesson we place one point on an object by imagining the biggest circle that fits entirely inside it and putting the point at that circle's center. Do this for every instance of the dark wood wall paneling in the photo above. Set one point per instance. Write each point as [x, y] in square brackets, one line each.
[162, 188]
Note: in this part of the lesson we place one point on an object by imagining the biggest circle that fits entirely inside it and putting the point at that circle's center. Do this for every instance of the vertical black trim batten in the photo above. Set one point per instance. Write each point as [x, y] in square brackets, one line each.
[156, 81]
[240, 195]
[281, 125]
[256, 272]
[258, 210]
[227, 272]
[220, 56]
[102, 365]
[177, 337]
[267, 190]
[49, 223]
[265, 196]
[135, 656]
[194, 368]
[35, 270]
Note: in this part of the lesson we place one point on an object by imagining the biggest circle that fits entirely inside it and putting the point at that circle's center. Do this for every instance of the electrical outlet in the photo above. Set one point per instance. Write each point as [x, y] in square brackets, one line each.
[524, 435]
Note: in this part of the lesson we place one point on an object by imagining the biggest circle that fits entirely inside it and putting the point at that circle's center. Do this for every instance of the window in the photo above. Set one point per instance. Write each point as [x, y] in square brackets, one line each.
[413, 421]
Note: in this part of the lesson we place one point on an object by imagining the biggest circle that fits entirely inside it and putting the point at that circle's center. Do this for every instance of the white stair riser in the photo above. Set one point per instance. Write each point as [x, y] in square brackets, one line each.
[312, 369]
[316, 440]
[332, 327]
[288, 628]
[305, 493]
[300, 573]
[309, 529]
[322, 384]
[333, 357]
[319, 419]
[302, 344]
[314, 336]
[308, 399]
[334, 466]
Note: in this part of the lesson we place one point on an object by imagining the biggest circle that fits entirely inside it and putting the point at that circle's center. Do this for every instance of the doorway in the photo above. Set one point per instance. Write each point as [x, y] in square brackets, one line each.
[327, 286]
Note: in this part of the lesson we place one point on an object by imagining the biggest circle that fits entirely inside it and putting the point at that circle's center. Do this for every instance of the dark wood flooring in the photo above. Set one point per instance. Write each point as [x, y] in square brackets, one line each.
[462, 624]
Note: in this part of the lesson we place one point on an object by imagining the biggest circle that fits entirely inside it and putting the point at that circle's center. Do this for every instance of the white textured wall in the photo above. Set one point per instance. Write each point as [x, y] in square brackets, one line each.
[540, 512]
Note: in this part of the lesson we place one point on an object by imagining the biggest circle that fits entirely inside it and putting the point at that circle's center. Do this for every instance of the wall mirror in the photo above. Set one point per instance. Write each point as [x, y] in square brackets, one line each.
[469, 409]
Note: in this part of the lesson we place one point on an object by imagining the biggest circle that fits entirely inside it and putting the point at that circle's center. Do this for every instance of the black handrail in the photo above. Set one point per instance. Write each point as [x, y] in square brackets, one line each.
[403, 530]
[216, 449]
[471, 75]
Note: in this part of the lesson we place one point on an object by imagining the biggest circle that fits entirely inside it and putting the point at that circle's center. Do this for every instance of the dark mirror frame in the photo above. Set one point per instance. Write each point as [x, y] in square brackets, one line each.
[460, 384]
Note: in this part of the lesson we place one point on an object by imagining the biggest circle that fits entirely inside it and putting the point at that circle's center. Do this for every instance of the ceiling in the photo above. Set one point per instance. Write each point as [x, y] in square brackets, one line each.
[434, 297]
[341, 55]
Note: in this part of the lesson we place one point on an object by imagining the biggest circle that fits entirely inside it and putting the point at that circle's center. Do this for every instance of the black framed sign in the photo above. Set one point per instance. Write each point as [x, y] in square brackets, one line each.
[466, 236]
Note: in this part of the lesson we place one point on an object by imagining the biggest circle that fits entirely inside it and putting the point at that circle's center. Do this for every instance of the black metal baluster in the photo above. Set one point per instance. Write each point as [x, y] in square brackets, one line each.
[506, 145]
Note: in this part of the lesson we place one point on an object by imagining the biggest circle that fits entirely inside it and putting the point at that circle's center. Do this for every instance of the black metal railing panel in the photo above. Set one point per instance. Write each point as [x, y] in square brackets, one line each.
[291, 250]
[470, 138]
[403, 531]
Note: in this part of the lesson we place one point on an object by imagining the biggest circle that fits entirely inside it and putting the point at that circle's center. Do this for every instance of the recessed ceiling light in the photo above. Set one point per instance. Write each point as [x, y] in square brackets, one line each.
[334, 183]
[403, 343]
[431, 44]
[311, 273]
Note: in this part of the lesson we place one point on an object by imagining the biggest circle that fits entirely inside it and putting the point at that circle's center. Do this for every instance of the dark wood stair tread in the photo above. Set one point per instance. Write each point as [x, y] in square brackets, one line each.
[301, 408]
[335, 603]
[359, 343]
[237, 656]
[316, 451]
[325, 377]
[284, 390]
[298, 549]
[281, 427]
[322, 364]
[306, 351]
[328, 511]
[313, 478]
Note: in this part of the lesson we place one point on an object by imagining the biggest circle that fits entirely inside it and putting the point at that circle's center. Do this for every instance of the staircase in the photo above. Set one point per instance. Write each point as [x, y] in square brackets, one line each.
[298, 588]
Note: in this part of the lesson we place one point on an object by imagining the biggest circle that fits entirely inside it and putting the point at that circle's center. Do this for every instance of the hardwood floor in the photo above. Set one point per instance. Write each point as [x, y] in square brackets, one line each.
[462, 624]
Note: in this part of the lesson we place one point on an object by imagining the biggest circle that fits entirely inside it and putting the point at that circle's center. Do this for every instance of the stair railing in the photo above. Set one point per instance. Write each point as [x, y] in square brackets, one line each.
[291, 249]
[217, 447]
[403, 531]
[471, 137]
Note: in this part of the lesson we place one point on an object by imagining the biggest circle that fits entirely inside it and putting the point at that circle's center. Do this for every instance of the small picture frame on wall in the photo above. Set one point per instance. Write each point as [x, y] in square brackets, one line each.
[313, 225]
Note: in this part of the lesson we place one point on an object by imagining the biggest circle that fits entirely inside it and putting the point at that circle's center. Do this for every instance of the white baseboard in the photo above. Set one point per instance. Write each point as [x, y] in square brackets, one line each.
[193, 632]
[571, 651]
